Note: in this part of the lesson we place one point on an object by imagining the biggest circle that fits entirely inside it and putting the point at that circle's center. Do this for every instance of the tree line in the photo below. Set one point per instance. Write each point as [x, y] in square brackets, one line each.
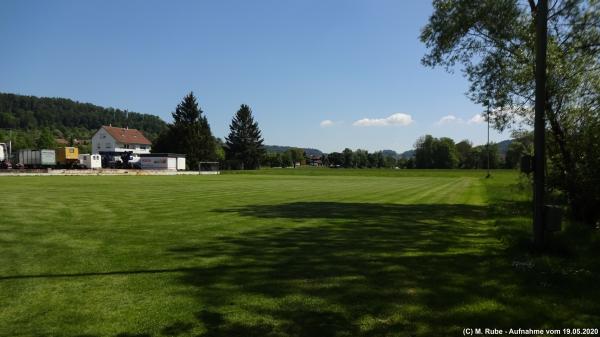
[67, 118]
[444, 153]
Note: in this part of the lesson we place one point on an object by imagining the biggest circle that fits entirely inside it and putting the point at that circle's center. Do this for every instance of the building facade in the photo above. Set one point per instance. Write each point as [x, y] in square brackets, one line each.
[114, 139]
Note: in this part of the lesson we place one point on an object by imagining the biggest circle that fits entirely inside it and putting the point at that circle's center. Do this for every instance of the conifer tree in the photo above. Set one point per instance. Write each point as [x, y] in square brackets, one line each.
[189, 134]
[245, 143]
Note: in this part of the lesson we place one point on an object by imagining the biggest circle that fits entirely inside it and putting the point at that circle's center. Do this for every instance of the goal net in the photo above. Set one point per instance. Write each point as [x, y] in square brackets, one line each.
[208, 167]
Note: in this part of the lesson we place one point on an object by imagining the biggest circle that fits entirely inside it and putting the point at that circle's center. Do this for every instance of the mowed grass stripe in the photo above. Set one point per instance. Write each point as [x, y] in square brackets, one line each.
[362, 253]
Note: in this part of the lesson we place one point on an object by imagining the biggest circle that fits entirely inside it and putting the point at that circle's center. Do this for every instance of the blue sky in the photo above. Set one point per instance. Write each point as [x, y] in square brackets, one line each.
[323, 74]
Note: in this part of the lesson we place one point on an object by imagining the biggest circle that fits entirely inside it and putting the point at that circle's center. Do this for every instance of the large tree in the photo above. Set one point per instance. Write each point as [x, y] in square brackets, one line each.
[495, 42]
[434, 153]
[189, 134]
[245, 142]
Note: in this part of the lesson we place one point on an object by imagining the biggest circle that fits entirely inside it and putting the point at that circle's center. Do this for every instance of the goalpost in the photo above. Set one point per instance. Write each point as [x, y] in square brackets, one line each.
[208, 167]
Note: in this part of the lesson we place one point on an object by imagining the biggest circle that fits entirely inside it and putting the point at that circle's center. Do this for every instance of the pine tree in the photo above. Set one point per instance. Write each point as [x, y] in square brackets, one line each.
[189, 134]
[245, 143]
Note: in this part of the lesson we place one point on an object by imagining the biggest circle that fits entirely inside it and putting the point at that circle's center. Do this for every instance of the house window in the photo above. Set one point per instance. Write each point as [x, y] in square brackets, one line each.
[107, 145]
[143, 147]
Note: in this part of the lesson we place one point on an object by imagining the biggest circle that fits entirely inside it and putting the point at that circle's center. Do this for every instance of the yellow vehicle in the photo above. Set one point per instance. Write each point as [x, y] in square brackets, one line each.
[67, 156]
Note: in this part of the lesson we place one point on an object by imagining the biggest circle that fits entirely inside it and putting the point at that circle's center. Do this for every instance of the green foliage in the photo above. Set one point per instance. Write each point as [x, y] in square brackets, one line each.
[46, 140]
[359, 159]
[349, 160]
[67, 116]
[219, 150]
[521, 145]
[189, 134]
[245, 142]
[435, 153]
[463, 151]
[296, 155]
[494, 41]
[336, 159]
[583, 182]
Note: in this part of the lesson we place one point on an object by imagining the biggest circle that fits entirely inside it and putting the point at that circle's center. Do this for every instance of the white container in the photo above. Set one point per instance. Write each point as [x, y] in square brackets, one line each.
[37, 158]
[158, 163]
[3, 151]
[180, 163]
[90, 161]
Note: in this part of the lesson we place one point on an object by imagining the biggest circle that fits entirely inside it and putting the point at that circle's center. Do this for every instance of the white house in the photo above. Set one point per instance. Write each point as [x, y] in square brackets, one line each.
[113, 139]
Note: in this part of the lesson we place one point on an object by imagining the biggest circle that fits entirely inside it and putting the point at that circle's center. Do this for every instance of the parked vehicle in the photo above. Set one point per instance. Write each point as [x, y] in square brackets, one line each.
[119, 160]
[67, 157]
[5, 156]
[37, 158]
[90, 161]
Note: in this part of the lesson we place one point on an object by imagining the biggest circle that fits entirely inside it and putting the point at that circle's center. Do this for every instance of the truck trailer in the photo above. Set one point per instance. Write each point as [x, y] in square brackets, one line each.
[37, 158]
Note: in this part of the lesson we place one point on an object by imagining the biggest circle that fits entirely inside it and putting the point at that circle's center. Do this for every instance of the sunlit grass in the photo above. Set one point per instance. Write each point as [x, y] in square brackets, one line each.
[307, 253]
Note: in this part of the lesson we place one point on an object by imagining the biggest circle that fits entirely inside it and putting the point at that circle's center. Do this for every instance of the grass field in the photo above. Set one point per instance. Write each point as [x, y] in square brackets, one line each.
[283, 253]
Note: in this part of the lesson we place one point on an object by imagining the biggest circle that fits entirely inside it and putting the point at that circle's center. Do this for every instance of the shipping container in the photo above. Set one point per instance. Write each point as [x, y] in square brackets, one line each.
[37, 158]
[67, 155]
[162, 161]
[90, 161]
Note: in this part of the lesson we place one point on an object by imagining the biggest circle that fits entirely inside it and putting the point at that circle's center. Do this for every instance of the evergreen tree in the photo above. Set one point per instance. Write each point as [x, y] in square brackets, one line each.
[245, 143]
[189, 134]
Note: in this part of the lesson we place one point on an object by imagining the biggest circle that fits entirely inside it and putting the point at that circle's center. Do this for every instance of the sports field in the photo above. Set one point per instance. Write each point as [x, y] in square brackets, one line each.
[281, 253]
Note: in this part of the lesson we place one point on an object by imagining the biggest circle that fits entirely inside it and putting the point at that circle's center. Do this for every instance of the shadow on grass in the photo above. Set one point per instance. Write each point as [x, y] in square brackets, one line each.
[372, 270]
[325, 269]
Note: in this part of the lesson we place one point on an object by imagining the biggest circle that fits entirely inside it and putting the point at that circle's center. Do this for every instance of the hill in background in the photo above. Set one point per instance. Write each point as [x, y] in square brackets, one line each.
[281, 149]
[71, 118]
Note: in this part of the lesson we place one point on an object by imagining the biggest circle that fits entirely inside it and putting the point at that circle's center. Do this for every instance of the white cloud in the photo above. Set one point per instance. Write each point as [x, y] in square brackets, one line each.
[449, 119]
[477, 119]
[327, 123]
[395, 119]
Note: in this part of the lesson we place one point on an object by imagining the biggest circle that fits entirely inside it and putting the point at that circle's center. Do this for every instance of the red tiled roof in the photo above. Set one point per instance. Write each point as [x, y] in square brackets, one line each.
[127, 136]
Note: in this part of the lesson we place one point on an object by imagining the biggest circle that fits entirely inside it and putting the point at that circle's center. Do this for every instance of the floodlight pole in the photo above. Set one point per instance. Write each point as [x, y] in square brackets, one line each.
[541, 32]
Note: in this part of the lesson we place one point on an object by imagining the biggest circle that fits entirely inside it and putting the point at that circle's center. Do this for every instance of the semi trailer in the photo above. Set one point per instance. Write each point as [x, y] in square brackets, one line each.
[37, 158]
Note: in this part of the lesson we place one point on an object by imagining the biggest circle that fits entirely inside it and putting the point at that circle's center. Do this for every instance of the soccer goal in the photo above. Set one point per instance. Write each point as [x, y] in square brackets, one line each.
[209, 167]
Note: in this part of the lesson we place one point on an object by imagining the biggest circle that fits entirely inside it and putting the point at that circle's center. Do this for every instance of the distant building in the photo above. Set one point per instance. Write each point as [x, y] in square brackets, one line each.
[315, 161]
[113, 139]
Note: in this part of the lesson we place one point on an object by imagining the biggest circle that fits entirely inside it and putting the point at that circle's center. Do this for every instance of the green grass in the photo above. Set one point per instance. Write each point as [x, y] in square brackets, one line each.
[283, 253]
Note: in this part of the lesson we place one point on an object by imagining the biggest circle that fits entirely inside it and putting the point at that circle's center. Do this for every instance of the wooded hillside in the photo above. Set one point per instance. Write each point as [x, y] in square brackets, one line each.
[65, 115]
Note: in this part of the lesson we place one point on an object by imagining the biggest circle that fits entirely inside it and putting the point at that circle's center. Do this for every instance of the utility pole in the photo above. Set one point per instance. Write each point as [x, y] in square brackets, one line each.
[541, 37]
[487, 146]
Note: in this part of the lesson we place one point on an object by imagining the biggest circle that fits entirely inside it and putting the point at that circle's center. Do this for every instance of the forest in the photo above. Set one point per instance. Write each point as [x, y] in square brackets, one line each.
[27, 118]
